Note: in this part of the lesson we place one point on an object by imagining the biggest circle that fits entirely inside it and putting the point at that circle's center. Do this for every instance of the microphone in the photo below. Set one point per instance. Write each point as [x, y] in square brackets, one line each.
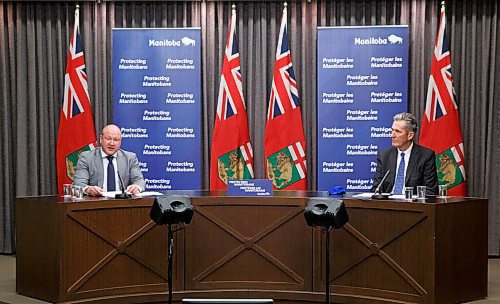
[122, 195]
[378, 191]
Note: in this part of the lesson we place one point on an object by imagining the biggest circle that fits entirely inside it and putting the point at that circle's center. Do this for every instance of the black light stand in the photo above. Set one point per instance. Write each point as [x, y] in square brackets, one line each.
[170, 210]
[325, 214]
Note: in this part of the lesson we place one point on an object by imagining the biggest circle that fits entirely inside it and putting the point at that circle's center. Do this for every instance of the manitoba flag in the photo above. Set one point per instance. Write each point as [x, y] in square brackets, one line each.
[441, 125]
[76, 125]
[232, 154]
[284, 142]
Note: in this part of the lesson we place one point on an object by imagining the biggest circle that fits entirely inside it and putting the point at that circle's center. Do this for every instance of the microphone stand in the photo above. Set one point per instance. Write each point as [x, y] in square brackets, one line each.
[123, 195]
[327, 266]
[378, 192]
[170, 258]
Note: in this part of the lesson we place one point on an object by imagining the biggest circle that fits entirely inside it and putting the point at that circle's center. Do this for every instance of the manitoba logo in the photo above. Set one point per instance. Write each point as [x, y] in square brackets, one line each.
[232, 165]
[450, 168]
[393, 39]
[286, 167]
[72, 160]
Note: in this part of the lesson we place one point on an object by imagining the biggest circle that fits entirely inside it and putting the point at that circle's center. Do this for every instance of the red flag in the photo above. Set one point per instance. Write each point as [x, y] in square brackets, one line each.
[441, 125]
[76, 125]
[232, 154]
[284, 142]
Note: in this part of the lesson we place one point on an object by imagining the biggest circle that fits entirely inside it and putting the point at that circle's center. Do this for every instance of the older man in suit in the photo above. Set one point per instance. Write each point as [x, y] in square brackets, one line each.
[408, 163]
[101, 169]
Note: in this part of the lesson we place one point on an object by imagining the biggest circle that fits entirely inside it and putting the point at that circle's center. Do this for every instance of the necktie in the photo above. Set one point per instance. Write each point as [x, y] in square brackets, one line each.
[111, 174]
[400, 177]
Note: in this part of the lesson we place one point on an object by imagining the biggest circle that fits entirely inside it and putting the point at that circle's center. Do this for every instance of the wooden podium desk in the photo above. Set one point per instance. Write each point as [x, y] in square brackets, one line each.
[109, 251]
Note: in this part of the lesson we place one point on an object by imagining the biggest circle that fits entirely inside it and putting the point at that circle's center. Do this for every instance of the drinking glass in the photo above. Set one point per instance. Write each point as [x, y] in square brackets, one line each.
[67, 190]
[408, 193]
[421, 192]
[77, 192]
[443, 191]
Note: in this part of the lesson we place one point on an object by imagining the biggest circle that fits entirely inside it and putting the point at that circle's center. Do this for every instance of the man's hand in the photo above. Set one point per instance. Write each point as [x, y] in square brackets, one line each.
[134, 189]
[93, 191]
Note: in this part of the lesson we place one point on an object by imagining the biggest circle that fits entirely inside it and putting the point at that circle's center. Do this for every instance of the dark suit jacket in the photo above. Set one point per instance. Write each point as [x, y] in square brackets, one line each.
[90, 171]
[421, 169]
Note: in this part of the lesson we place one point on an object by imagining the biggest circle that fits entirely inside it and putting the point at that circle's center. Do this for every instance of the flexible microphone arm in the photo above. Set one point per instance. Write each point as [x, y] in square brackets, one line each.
[379, 187]
[378, 191]
[122, 195]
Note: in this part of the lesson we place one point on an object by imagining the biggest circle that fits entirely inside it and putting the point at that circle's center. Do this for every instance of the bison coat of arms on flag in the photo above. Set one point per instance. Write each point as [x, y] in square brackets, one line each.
[449, 171]
[72, 160]
[282, 170]
[232, 166]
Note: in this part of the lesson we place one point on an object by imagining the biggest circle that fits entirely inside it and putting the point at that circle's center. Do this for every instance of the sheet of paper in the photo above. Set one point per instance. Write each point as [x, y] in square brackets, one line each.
[363, 195]
[110, 194]
[397, 196]
[148, 193]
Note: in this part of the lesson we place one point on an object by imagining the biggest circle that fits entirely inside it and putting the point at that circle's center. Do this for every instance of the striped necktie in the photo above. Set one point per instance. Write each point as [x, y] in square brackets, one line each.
[400, 177]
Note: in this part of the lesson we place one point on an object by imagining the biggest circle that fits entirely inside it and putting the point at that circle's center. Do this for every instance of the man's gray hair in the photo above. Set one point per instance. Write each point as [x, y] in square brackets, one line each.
[411, 121]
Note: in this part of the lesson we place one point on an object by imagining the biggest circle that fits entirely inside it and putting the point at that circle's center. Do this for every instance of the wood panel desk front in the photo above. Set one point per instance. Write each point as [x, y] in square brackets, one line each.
[109, 251]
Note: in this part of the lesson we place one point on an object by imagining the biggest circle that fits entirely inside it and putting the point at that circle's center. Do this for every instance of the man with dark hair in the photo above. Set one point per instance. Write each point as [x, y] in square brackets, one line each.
[410, 164]
[101, 169]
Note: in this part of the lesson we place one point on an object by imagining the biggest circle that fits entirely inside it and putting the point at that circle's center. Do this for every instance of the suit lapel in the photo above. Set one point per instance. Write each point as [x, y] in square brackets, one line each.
[393, 158]
[121, 160]
[414, 156]
[99, 167]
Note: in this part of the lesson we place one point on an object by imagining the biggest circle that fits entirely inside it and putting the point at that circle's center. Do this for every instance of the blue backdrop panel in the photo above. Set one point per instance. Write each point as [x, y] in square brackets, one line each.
[157, 103]
[362, 83]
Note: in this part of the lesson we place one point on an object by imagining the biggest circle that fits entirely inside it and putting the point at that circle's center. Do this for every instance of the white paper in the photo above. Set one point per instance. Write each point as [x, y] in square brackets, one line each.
[110, 194]
[363, 195]
[367, 195]
[397, 196]
[148, 193]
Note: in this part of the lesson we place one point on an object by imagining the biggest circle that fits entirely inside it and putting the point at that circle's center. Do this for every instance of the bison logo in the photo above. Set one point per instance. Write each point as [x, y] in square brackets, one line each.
[186, 41]
[395, 39]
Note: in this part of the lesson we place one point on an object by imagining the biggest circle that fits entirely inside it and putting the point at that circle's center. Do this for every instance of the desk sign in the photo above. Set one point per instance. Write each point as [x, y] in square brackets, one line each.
[250, 187]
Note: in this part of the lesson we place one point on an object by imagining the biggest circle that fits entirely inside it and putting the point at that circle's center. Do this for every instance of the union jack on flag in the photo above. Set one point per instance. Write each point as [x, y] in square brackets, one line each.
[284, 93]
[441, 129]
[440, 93]
[230, 89]
[76, 89]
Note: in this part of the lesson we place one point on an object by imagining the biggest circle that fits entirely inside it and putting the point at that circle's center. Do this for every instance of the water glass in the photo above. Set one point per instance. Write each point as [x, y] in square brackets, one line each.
[421, 192]
[67, 190]
[408, 193]
[443, 191]
[77, 192]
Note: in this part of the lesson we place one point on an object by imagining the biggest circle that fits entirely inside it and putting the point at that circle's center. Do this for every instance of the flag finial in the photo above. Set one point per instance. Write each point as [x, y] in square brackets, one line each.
[442, 6]
[233, 7]
[77, 6]
[285, 4]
